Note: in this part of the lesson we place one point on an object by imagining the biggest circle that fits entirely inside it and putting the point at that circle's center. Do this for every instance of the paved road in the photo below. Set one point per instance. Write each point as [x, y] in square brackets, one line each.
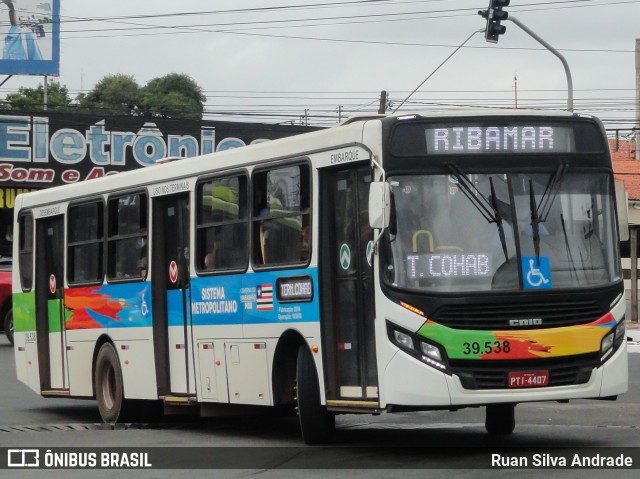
[454, 443]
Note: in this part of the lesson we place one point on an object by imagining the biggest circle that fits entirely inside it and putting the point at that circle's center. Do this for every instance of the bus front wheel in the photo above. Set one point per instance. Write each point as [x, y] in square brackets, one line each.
[316, 423]
[500, 419]
[108, 385]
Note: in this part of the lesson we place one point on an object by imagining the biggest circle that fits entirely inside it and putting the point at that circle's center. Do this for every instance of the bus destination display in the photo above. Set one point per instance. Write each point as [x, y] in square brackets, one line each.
[504, 139]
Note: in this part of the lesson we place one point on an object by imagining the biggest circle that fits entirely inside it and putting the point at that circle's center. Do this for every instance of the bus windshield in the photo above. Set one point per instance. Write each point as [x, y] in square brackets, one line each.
[475, 231]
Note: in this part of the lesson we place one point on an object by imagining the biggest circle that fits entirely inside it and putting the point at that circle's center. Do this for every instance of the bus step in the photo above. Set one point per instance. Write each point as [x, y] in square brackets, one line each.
[179, 400]
[370, 407]
[55, 393]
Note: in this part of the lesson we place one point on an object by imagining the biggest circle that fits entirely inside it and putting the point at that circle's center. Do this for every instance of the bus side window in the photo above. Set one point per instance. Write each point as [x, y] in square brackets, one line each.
[281, 216]
[127, 250]
[222, 224]
[85, 247]
[26, 251]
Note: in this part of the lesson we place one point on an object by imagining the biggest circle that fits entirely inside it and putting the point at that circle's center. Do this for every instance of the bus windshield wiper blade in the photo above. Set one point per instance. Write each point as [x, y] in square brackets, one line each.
[488, 209]
[494, 203]
[539, 212]
[535, 221]
[550, 192]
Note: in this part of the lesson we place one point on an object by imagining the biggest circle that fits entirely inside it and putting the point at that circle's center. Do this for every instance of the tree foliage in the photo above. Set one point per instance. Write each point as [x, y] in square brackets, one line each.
[174, 95]
[29, 99]
[117, 94]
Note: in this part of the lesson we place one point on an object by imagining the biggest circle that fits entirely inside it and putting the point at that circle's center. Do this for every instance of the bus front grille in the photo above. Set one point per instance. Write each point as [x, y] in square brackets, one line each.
[493, 374]
[503, 316]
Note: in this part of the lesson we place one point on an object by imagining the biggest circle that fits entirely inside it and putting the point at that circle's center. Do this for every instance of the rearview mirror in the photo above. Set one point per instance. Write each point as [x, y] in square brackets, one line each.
[623, 217]
[379, 200]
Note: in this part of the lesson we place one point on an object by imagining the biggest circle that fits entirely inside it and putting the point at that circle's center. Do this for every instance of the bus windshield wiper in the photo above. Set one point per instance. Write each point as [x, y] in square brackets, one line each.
[488, 208]
[540, 212]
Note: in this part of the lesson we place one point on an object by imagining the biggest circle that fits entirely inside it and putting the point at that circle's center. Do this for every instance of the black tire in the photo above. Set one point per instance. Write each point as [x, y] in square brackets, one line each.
[109, 387]
[316, 423]
[500, 419]
[8, 325]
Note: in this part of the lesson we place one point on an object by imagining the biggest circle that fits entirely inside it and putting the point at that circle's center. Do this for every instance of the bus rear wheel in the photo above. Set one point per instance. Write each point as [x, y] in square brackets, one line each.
[500, 419]
[108, 385]
[316, 423]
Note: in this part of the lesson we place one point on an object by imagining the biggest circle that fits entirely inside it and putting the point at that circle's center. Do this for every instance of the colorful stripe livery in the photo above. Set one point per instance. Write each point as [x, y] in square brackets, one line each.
[525, 344]
[212, 300]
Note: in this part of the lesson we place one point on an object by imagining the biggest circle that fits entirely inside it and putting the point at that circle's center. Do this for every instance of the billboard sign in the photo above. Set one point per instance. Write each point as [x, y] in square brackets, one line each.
[30, 30]
[49, 149]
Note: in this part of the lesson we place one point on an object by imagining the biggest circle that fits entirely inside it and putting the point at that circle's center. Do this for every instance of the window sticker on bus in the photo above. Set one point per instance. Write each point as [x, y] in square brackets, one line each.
[296, 289]
[536, 272]
[265, 297]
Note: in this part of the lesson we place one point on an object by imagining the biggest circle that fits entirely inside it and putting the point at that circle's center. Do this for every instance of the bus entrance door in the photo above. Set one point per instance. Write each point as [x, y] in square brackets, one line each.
[171, 296]
[50, 320]
[347, 288]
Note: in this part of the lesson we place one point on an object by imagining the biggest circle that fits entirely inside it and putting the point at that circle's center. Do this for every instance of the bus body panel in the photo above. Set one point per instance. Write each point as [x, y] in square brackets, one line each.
[24, 323]
[615, 374]
[81, 345]
[408, 382]
[592, 389]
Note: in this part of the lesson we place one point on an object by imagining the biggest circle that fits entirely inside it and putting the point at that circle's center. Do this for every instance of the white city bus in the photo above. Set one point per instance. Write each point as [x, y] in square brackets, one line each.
[391, 263]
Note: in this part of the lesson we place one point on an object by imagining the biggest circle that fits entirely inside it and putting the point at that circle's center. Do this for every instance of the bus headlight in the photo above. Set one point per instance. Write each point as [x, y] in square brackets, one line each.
[612, 340]
[403, 340]
[431, 351]
[416, 346]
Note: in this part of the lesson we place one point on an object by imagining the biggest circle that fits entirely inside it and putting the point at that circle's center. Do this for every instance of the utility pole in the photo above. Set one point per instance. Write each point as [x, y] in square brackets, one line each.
[46, 100]
[515, 90]
[567, 71]
[495, 15]
[382, 108]
[638, 98]
[339, 113]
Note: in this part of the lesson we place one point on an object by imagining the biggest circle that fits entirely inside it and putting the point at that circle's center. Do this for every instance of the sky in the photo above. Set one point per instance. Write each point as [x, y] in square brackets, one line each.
[317, 62]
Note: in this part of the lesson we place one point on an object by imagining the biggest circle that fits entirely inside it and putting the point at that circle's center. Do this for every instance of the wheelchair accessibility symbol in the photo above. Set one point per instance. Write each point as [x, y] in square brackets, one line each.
[536, 273]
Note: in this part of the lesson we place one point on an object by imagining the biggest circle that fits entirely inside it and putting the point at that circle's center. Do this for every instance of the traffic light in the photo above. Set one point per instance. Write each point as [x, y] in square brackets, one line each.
[494, 15]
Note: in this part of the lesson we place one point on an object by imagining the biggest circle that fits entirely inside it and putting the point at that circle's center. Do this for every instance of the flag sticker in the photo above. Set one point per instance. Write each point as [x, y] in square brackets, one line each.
[265, 297]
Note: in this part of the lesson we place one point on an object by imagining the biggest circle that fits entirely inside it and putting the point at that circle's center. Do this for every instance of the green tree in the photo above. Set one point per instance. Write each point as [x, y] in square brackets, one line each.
[30, 99]
[117, 94]
[173, 96]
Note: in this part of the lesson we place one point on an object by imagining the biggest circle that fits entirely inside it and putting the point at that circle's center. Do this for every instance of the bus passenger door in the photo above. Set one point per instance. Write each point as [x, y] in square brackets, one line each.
[171, 295]
[49, 290]
[346, 279]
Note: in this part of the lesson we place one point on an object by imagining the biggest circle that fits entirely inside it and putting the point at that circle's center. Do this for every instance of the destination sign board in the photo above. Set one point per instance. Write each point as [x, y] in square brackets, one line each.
[495, 136]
